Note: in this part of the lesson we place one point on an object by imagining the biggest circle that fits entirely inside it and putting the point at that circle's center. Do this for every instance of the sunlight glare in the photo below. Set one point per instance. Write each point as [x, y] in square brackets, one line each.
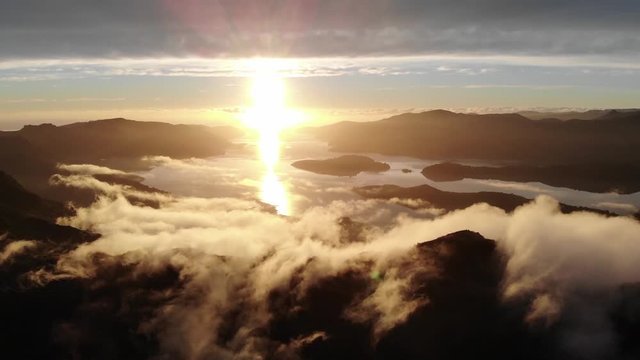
[273, 192]
[269, 116]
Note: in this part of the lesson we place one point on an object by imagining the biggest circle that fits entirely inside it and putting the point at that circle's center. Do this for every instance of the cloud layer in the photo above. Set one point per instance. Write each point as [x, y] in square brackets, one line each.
[223, 278]
[115, 28]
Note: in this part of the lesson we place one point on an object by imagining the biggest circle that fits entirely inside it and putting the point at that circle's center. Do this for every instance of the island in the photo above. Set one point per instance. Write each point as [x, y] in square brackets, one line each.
[346, 165]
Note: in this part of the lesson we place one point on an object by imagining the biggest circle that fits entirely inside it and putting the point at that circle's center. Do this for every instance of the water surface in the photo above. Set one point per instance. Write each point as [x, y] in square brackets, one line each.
[242, 173]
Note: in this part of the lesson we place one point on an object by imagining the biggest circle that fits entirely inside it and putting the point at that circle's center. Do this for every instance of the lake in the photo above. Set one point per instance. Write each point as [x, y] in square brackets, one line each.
[240, 173]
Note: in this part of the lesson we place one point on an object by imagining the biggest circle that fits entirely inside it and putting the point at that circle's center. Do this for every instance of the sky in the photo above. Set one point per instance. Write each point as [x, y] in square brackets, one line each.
[191, 61]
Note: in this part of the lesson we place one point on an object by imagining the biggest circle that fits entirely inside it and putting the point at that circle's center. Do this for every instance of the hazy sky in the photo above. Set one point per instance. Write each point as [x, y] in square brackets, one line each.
[186, 60]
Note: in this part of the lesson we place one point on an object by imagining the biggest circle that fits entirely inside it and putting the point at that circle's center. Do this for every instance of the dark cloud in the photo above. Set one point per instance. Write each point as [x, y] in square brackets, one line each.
[119, 28]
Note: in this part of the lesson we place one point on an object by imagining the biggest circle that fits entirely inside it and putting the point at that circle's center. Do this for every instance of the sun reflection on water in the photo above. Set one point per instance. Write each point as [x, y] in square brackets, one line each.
[273, 190]
[269, 115]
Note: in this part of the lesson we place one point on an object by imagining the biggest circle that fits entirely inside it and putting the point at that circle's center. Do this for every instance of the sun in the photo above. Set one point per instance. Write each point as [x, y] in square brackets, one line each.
[269, 112]
[267, 91]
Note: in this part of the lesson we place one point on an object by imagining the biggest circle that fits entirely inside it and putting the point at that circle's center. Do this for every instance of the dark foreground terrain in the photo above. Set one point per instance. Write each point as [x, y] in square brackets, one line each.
[454, 281]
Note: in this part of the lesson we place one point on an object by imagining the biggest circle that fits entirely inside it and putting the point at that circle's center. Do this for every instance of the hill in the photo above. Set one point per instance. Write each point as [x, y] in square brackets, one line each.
[16, 199]
[446, 135]
[115, 138]
[25, 215]
[31, 154]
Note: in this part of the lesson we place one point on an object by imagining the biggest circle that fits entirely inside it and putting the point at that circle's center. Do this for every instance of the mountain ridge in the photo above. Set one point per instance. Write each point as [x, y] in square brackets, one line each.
[452, 136]
[32, 153]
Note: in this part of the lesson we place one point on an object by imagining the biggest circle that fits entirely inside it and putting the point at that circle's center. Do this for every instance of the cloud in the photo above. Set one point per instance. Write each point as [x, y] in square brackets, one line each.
[624, 208]
[389, 304]
[228, 272]
[101, 187]
[471, 71]
[567, 253]
[572, 265]
[35, 29]
[89, 169]
[14, 248]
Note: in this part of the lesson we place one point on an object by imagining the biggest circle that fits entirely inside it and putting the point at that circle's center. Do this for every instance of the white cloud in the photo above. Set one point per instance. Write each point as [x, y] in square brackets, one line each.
[89, 169]
[14, 248]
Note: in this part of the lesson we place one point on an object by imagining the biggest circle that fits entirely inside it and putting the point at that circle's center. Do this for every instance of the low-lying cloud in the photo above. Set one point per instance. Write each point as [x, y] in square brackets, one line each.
[231, 257]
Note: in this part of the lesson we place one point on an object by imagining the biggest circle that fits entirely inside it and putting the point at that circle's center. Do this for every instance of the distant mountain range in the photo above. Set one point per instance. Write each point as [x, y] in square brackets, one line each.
[439, 134]
[572, 115]
[31, 154]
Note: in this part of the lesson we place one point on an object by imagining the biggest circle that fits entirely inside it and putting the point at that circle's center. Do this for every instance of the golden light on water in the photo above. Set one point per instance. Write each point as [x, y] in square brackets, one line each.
[269, 115]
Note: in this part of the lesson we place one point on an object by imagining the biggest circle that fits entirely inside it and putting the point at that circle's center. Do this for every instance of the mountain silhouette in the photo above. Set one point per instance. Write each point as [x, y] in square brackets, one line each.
[445, 135]
[32, 153]
[25, 215]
